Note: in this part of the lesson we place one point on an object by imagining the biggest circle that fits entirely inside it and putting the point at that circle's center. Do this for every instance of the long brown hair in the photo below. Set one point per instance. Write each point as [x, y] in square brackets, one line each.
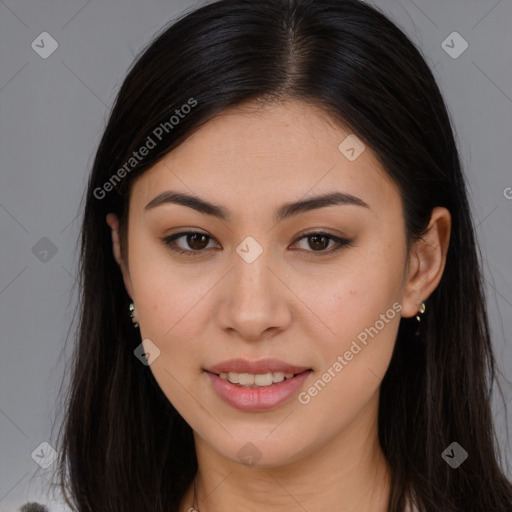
[124, 446]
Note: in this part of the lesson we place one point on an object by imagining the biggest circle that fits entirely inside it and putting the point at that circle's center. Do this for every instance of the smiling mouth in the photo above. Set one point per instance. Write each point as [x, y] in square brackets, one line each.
[260, 380]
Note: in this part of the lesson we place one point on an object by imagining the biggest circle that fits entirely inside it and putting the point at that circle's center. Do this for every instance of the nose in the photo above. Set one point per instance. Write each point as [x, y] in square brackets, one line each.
[255, 301]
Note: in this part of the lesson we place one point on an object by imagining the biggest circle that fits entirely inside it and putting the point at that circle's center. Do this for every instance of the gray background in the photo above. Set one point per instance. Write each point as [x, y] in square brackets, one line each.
[52, 112]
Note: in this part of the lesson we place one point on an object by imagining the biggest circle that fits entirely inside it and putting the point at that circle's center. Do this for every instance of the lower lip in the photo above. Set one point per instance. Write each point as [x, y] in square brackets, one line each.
[257, 399]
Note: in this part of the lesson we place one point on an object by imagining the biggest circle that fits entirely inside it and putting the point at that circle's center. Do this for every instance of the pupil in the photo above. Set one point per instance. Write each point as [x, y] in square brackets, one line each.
[316, 237]
[196, 235]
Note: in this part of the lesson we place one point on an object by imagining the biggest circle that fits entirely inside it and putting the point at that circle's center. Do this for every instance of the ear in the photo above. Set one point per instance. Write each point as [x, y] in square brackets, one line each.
[113, 222]
[427, 261]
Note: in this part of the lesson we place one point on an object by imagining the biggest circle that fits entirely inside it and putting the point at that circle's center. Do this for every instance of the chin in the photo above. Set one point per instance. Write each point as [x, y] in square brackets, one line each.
[261, 452]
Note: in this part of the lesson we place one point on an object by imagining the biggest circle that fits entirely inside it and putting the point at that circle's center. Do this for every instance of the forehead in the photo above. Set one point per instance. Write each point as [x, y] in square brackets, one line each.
[269, 154]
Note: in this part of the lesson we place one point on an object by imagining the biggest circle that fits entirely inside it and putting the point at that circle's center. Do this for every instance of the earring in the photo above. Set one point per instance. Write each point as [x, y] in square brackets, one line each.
[132, 314]
[421, 310]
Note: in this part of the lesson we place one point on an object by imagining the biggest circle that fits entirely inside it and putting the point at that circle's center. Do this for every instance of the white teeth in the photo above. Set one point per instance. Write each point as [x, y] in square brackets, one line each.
[278, 376]
[258, 380]
[233, 377]
[263, 380]
[245, 379]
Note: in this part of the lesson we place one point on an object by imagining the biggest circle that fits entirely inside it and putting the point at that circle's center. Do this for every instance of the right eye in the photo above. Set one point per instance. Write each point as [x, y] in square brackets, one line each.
[194, 239]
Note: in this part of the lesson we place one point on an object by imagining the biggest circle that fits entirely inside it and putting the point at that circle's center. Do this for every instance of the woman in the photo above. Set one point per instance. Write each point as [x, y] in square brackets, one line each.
[282, 304]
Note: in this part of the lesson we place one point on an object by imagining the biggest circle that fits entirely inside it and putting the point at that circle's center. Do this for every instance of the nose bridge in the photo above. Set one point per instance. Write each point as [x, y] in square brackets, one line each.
[251, 269]
[253, 303]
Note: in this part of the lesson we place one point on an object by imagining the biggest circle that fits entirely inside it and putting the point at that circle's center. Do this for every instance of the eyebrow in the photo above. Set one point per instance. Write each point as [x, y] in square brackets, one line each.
[285, 211]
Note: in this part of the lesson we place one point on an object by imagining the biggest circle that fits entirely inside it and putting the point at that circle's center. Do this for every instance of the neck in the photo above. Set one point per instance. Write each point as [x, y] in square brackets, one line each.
[349, 474]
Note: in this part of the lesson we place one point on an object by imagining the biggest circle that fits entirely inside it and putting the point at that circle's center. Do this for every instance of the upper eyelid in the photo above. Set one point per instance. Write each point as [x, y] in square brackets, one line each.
[179, 234]
[337, 239]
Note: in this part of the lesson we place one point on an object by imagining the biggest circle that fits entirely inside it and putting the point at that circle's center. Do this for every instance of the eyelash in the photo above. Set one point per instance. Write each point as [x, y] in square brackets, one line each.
[169, 242]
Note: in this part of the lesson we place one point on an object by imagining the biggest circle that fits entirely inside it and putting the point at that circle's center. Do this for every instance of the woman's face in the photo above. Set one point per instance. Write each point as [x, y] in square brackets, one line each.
[265, 281]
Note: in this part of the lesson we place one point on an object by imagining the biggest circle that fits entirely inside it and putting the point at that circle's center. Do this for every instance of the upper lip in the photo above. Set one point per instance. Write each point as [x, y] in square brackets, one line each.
[255, 367]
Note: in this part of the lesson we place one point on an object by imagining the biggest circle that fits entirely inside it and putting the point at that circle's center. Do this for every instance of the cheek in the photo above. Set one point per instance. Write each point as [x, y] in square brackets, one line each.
[351, 297]
[172, 309]
[361, 307]
[361, 336]
[168, 295]
[172, 315]
[364, 313]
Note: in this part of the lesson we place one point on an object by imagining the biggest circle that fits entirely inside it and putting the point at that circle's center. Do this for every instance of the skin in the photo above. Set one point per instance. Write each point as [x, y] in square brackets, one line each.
[295, 302]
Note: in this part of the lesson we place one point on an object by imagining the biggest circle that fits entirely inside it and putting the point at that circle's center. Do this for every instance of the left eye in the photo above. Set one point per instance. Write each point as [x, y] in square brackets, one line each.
[318, 240]
[198, 241]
